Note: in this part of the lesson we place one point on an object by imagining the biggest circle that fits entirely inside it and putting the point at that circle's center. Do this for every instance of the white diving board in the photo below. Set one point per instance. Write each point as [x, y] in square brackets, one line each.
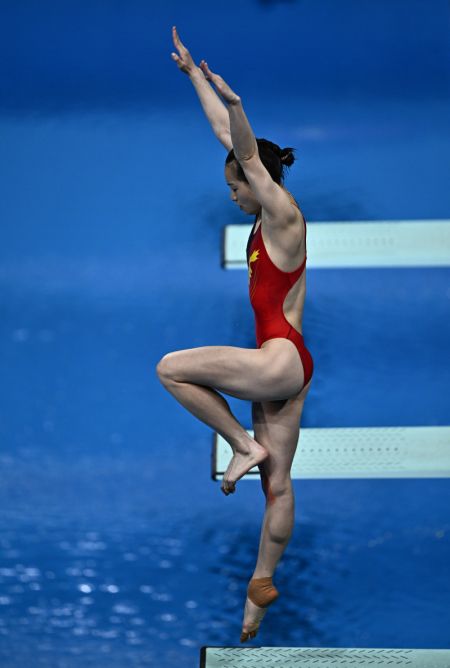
[389, 243]
[321, 657]
[357, 452]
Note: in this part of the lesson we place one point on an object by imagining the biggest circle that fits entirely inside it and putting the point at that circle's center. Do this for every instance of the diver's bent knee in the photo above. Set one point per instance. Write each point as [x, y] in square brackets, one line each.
[163, 368]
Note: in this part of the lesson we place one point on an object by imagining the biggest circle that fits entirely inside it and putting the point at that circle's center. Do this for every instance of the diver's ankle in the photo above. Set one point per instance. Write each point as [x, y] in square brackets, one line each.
[263, 573]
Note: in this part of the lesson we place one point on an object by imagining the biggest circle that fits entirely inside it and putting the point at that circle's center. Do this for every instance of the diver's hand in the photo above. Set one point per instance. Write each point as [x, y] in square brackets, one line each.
[184, 60]
[225, 91]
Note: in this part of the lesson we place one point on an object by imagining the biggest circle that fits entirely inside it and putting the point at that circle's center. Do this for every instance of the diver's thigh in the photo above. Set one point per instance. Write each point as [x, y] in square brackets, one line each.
[246, 373]
[276, 425]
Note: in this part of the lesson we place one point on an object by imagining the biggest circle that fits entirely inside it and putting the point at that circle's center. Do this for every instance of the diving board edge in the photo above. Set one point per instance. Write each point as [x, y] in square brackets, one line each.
[358, 244]
[247, 657]
[357, 452]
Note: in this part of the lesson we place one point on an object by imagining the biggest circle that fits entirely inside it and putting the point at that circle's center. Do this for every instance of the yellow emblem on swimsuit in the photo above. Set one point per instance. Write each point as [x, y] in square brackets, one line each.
[253, 258]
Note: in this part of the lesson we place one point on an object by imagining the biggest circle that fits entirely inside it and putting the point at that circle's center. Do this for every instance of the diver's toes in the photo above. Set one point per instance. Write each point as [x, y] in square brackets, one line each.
[245, 635]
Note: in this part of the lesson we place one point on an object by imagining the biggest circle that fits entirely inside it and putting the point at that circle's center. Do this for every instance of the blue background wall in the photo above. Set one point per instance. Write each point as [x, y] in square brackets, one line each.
[115, 544]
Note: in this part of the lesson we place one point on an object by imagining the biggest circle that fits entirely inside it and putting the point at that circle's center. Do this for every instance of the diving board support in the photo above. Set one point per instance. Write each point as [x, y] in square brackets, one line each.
[357, 452]
[317, 657]
[334, 244]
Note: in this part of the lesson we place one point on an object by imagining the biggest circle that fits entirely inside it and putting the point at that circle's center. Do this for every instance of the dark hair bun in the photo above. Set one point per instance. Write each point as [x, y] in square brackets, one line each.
[274, 158]
[287, 156]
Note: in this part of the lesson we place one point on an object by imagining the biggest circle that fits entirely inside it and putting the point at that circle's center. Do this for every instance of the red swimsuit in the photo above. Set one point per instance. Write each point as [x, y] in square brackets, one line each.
[268, 287]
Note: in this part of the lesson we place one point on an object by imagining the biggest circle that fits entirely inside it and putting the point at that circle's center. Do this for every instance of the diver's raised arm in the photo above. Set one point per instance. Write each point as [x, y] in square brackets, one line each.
[216, 112]
[242, 137]
[272, 196]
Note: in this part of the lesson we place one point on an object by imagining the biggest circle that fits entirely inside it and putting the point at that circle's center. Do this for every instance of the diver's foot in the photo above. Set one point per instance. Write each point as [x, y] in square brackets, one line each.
[241, 463]
[263, 593]
[253, 616]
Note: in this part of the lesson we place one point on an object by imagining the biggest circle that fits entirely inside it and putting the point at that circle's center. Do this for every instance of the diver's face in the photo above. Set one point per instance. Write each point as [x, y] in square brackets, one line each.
[240, 192]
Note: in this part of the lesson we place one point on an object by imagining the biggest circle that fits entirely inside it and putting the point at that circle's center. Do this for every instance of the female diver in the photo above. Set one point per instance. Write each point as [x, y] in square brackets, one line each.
[276, 376]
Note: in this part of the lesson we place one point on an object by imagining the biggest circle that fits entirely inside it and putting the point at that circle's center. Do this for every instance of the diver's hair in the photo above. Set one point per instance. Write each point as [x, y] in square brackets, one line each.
[274, 159]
